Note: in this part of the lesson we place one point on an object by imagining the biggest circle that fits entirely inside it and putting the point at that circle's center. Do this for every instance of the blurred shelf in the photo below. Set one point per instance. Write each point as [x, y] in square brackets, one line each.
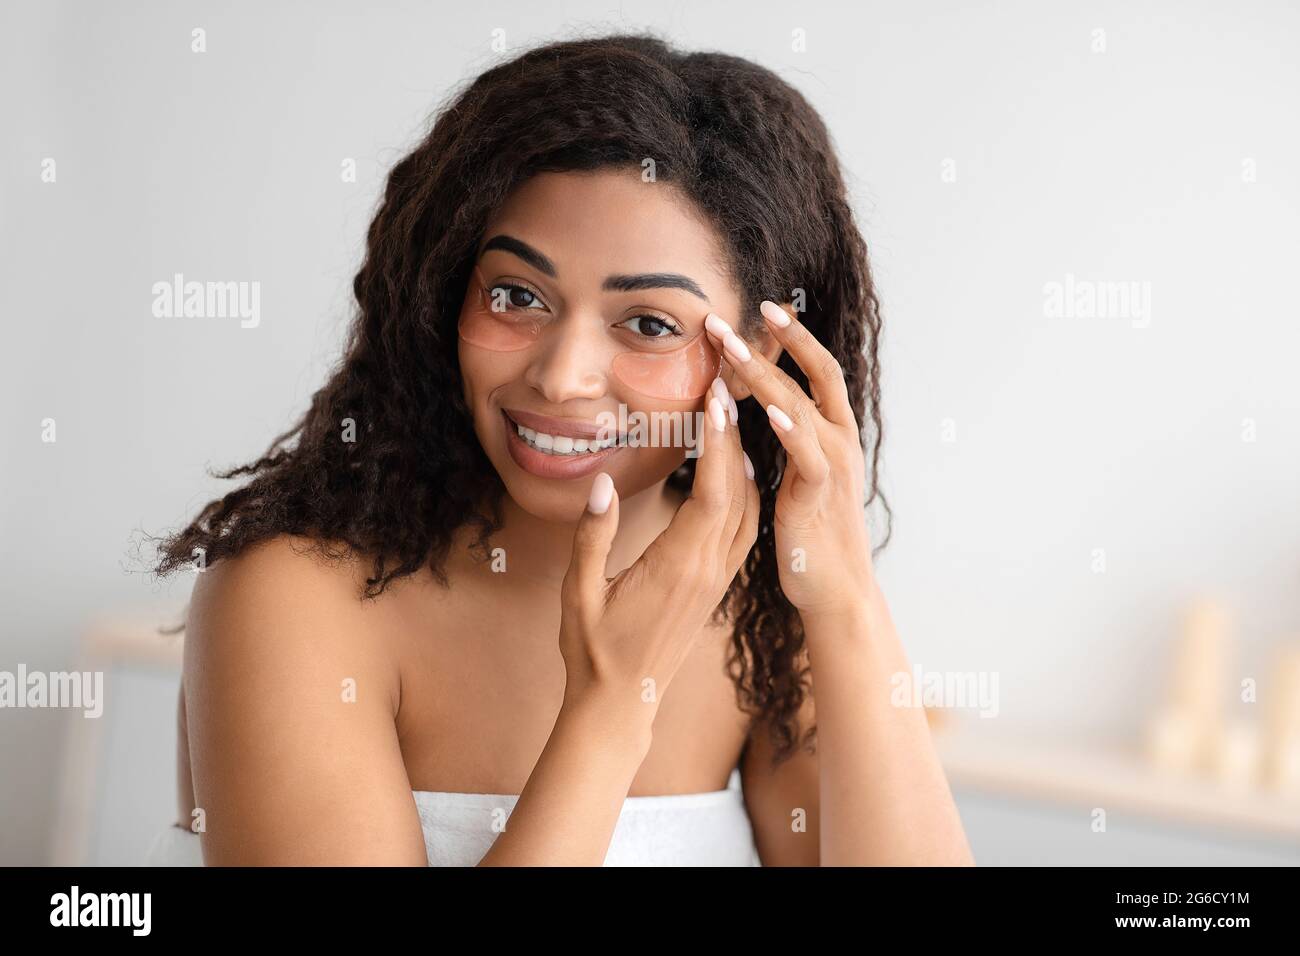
[112, 643]
[134, 640]
[1112, 777]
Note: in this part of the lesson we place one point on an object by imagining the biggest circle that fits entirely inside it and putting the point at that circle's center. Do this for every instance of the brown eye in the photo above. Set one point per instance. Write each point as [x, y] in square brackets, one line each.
[651, 326]
[514, 296]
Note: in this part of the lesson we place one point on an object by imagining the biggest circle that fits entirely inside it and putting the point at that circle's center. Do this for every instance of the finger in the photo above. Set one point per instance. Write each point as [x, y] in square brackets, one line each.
[769, 384]
[747, 531]
[825, 376]
[736, 479]
[803, 449]
[592, 540]
[699, 522]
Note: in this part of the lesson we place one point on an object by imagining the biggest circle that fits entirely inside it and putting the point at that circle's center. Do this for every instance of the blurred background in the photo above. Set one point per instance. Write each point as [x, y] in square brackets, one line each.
[1083, 227]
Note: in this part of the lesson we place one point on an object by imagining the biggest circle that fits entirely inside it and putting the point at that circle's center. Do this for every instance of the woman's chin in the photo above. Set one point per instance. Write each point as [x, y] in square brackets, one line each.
[555, 488]
[555, 500]
[554, 507]
[563, 501]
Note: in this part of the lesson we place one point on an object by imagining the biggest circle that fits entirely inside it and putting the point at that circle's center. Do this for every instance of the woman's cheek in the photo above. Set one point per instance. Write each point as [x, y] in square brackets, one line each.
[481, 374]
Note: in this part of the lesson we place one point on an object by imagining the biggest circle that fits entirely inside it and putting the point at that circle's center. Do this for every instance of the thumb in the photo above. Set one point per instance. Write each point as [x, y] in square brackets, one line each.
[595, 536]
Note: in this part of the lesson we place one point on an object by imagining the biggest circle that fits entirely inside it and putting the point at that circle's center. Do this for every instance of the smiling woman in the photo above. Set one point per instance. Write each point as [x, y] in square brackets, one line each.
[480, 608]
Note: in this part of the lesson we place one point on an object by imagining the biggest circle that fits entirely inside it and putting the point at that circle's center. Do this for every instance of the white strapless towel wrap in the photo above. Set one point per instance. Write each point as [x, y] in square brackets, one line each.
[688, 829]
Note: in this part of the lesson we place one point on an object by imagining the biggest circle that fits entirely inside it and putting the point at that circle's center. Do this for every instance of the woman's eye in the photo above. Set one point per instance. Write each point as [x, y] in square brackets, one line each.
[514, 296]
[651, 326]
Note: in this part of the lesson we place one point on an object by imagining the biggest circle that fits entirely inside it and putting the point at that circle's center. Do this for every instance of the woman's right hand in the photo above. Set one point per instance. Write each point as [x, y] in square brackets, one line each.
[630, 634]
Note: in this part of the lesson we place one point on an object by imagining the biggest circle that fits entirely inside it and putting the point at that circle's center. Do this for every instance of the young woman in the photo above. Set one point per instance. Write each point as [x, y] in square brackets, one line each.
[455, 617]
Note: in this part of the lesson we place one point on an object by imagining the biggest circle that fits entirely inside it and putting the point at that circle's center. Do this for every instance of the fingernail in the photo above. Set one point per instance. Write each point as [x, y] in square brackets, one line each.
[716, 414]
[749, 466]
[735, 347]
[780, 418]
[723, 394]
[602, 493]
[774, 313]
[716, 325]
[731, 407]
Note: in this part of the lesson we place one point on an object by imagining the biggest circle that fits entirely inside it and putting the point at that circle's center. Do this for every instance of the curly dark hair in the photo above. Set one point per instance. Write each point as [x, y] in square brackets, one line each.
[750, 152]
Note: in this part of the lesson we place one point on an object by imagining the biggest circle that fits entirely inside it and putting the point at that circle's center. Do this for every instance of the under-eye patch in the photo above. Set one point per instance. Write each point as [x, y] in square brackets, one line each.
[680, 375]
[683, 374]
[486, 321]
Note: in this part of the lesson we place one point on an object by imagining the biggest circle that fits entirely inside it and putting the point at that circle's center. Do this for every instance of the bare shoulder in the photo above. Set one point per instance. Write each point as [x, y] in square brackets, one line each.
[284, 603]
[290, 691]
[286, 567]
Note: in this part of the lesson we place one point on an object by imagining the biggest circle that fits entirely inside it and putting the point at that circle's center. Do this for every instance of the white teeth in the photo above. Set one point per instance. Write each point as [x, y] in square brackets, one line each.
[562, 444]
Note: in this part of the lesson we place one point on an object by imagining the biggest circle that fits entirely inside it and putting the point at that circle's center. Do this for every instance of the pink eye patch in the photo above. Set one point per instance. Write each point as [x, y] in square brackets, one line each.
[684, 374]
[496, 329]
[681, 375]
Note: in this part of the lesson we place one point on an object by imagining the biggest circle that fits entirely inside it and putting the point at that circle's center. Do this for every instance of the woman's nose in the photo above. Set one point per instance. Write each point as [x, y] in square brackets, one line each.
[571, 362]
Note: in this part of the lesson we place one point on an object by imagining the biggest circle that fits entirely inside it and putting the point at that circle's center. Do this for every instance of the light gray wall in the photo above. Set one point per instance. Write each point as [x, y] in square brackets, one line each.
[1071, 434]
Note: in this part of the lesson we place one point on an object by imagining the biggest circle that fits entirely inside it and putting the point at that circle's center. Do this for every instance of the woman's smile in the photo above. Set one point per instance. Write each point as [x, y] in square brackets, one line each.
[555, 447]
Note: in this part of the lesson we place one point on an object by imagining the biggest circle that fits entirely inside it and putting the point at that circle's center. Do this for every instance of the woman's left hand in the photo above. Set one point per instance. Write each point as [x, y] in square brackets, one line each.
[821, 533]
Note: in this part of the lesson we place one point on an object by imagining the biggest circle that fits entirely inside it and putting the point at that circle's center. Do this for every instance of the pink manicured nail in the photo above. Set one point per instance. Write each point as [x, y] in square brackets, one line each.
[716, 414]
[723, 395]
[735, 347]
[780, 418]
[602, 493]
[716, 325]
[774, 313]
[749, 466]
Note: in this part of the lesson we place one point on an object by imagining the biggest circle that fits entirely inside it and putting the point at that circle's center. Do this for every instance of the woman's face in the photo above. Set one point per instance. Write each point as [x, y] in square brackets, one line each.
[612, 279]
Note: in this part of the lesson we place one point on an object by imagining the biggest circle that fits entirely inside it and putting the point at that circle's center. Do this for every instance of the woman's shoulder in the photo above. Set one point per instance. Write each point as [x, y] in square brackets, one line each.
[285, 576]
[290, 604]
[281, 560]
[291, 692]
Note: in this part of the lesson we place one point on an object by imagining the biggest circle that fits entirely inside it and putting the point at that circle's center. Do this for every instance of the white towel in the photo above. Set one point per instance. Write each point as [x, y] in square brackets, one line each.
[689, 829]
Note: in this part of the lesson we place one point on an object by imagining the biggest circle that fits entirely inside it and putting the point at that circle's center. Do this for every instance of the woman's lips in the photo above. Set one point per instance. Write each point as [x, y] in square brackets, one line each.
[559, 426]
[551, 466]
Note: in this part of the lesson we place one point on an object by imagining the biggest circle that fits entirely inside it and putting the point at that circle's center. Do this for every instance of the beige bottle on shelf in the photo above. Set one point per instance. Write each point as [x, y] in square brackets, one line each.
[1281, 758]
[1189, 734]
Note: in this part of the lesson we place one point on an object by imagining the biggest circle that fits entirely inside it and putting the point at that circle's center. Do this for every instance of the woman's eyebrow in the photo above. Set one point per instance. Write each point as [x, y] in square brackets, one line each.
[654, 280]
[616, 283]
[523, 250]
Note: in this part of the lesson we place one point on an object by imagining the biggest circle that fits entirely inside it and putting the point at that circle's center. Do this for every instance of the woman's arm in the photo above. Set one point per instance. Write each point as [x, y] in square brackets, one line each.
[884, 799]
[184, 776]
[874, 791]
[290, 698]
[882, 794]
[570, 806]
